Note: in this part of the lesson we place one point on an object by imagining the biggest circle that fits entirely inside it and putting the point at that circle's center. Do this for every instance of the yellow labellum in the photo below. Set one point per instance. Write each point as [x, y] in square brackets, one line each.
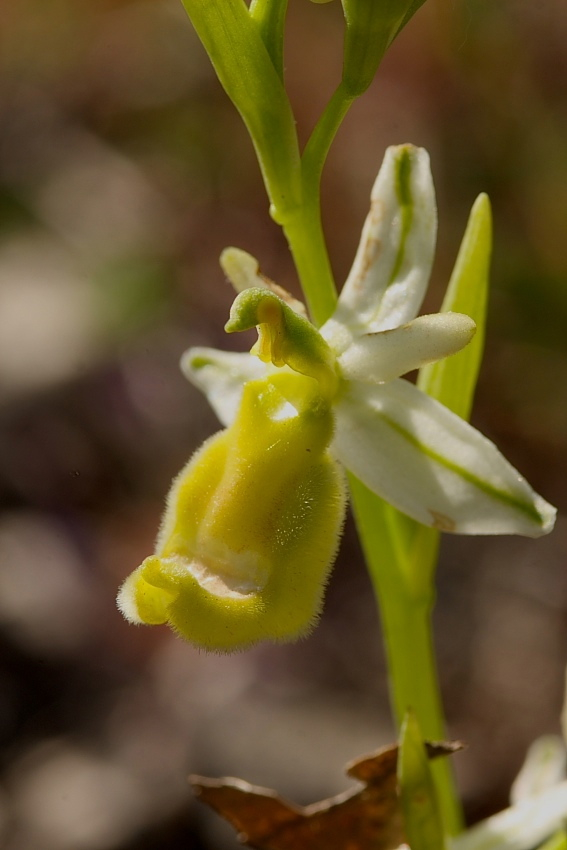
[251, 526]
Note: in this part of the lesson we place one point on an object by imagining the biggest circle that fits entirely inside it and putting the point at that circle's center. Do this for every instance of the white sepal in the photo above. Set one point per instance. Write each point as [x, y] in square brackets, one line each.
[432, 465]
[221, 376]
[389, 277]
[383, 356]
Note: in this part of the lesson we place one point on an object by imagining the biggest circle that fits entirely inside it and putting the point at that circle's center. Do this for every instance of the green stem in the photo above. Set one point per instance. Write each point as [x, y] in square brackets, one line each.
[405, 608]
[406, 623]
[317, 148]
[394, 554]
[303, 227]
[246, 48]
[305, 237]
[245, 67]
[392, 560]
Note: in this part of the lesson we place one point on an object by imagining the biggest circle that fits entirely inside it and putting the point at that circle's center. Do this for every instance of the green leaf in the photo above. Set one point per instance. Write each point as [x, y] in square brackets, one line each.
[422, 820]
[452, 381]
[243, 64]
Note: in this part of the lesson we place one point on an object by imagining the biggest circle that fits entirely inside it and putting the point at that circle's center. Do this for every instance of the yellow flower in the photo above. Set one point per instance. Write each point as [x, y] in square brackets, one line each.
[251, 526]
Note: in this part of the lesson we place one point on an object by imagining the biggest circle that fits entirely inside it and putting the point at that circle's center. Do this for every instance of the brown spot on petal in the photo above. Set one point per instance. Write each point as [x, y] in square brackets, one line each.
[442, 522]
[372, 248]
[376, 210]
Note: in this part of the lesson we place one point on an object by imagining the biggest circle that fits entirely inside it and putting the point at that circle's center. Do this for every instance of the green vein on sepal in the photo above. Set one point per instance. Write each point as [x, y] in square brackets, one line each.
[494, 492]
[405, 200]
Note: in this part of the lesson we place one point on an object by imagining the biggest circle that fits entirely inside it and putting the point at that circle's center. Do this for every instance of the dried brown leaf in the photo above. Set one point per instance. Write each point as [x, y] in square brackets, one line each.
[367, 818]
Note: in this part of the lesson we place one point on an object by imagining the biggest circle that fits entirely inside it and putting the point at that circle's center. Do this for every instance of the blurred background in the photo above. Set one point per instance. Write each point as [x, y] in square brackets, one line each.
[124, 171]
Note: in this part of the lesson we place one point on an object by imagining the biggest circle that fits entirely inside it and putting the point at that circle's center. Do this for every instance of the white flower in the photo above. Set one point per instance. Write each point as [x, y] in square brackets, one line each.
[402, 444]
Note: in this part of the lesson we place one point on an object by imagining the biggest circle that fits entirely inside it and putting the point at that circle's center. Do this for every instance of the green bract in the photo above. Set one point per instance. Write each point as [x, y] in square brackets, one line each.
[371, 26]
[422, 820]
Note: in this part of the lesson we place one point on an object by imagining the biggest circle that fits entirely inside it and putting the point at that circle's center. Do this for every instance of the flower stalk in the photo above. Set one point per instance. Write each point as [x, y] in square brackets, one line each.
[405, 618]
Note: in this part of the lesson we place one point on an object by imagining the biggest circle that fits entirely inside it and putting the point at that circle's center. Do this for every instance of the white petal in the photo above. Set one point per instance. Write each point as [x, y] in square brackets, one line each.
[387, 282]
[521, 827]
[386, 355]
[432, 465]
[221, 376]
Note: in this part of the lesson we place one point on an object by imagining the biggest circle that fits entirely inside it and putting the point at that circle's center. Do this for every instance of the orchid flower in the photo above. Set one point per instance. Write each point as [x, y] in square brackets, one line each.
[252, 522]
[403, 445]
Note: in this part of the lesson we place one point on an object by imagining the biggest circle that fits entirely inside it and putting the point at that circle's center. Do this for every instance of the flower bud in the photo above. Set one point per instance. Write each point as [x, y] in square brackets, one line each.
[251, 526]
[371, 26]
